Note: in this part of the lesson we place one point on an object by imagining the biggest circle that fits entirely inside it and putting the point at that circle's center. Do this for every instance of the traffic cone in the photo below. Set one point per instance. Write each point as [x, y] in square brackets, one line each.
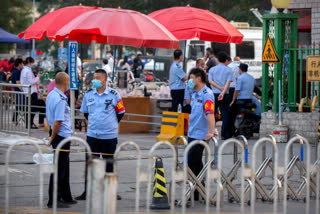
[160, 193]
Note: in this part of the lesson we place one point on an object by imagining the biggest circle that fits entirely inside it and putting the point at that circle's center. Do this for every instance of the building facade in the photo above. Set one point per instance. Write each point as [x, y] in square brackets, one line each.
[309, 20]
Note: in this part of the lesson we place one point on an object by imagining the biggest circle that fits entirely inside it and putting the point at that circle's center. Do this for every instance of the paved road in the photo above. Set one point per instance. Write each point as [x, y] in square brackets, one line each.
[24, 179]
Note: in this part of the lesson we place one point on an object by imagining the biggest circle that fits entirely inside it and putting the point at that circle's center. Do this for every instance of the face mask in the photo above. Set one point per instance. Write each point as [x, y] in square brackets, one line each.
[201, 67]
[191, 84]
[108, 56]
[132, 58]
[96, 83]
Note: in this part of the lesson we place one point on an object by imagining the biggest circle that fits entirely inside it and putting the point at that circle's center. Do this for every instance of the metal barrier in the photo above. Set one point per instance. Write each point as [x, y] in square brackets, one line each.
[219, 172]
[306, 177]
[116, 155]
[173, 173]
[206, 194]
[256, 181]
[232, 174]
[15, 109]
[55, 179]
[128, 115]
[24, 142]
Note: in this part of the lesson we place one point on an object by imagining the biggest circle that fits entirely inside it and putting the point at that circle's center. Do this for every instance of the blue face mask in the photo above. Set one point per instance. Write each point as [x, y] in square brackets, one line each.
[191, 84]
[201, 67]
[132, 58]
[108, 56]
[96, 83]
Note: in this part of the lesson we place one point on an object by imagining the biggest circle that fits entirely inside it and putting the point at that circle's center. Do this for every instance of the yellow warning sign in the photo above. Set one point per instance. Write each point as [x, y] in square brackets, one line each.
[269, 53]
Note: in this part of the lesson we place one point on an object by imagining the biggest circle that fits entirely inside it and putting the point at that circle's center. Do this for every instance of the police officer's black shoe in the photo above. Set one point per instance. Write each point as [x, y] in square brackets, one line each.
[119, 197]
[81, 197]
[68, 202]
[59, 205]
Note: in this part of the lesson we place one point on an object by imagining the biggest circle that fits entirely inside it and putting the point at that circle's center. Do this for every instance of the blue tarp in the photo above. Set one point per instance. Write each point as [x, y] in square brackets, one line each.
[6, 37]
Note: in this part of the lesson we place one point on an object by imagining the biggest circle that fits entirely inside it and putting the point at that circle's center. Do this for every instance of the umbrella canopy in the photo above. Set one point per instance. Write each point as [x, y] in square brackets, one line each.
[50, 23]
[118, 27]
[189, 22]
[6, 37]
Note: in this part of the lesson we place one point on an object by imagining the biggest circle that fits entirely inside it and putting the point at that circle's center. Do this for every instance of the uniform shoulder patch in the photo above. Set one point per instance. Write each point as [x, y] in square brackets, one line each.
[62, 97]
[205, 91]
[113, 91]
[90, 89]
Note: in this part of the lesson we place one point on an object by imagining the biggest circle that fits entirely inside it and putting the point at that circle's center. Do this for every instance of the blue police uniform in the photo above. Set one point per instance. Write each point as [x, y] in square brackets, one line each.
[202, 103]
[176, 85]
[102, 109]
[220, 74]
[245, 86]
[57, 109]
[200, 106]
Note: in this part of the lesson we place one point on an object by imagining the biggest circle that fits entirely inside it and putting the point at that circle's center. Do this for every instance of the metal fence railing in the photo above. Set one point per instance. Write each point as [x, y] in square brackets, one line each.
[15, 108]
[296, 92]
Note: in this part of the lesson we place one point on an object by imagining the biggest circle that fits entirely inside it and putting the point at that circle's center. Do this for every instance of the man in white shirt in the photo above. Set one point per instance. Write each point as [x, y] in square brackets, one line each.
[110, 59]
[235, 70]
[28, 78]
[106, 67]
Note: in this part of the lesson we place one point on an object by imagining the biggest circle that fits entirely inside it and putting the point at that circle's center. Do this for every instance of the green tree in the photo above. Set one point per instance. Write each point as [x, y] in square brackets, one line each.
[15, 18]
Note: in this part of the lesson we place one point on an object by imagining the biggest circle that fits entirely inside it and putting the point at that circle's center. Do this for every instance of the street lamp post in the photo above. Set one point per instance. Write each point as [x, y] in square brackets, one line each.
[33, 20]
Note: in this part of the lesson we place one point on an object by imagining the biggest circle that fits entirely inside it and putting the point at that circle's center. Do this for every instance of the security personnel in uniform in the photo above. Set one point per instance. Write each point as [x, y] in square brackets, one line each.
[220, 78]
[103, 108]
[58, 114]
[243, 91]
[176, 80]
[201, 120]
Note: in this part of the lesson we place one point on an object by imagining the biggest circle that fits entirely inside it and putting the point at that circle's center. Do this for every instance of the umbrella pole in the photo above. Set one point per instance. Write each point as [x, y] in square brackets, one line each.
[184, 56]
[114, 61]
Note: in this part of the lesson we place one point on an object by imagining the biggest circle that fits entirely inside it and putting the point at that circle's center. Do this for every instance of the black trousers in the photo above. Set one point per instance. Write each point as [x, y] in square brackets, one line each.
[234, 110]
[106, 146]
[64, 191]
[224, 108]
[231, 93]
[37, 105]
[177, 98]
[195, 161]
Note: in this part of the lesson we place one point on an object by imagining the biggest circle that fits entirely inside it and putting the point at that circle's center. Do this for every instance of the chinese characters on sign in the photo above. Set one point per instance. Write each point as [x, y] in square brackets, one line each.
[72, 64]
[313, 68]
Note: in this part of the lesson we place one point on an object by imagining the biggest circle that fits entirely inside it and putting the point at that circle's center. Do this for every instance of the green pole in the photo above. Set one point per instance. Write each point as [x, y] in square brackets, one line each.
[265, 72]
[293, 67]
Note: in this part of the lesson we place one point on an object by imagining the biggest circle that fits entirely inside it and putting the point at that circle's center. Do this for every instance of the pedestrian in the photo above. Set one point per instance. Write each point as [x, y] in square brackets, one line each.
[211, 60]
[235, 74]
[37, 105]
[58, 114]
[15, 79]
[106, 67]
[124, 65]
[220, 78]
[45, 65]
[138, 66]
[187, 98]
[110, 59]
[103, 108]
[52, 84]
[177, 80]
[199, 64]
[201, 120]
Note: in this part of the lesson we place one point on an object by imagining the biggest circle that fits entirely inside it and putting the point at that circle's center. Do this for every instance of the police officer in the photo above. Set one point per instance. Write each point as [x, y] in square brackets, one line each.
[58, 114]
[103, 108]
[243, 92]
[220, 78]
[176, 80]
[201, 120]
[244, 88]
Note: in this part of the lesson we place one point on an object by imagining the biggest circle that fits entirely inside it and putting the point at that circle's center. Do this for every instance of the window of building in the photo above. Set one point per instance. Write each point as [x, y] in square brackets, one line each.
[245, 50]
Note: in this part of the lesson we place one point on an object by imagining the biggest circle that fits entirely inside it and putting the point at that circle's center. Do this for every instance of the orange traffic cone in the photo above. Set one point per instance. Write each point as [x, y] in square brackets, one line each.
[160, 193]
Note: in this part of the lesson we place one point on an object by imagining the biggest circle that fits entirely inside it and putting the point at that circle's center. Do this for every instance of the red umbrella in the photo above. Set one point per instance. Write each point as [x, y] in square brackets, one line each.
[50, 23]
[118, 27]
[189, 22]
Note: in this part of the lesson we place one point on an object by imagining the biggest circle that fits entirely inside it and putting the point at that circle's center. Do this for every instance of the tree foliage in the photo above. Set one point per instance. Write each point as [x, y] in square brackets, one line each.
[16, 16]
